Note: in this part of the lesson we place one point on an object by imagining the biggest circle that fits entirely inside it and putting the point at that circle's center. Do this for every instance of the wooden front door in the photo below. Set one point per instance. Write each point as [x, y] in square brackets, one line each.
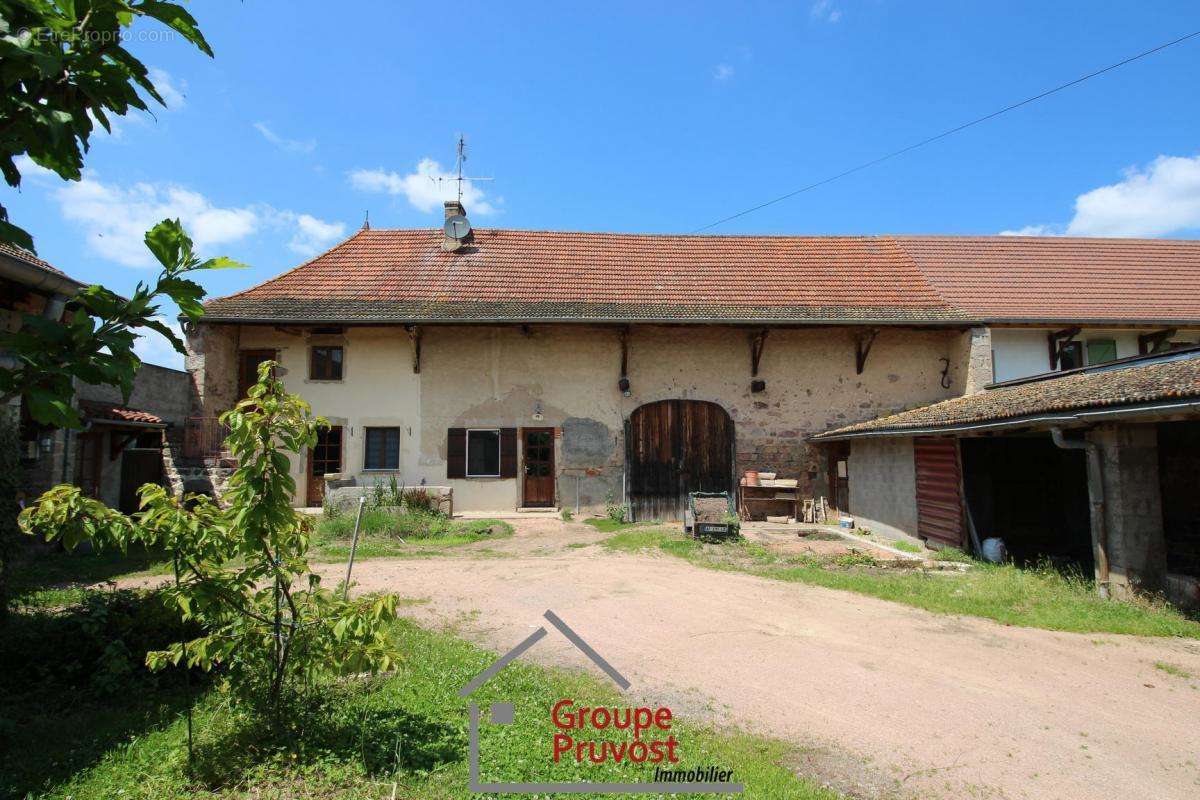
[673, 448]
[323, 459]
[539, 467]
[138, 467]
[248, 362]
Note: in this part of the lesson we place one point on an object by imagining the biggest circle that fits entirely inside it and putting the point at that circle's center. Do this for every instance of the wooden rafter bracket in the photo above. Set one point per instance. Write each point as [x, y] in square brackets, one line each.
[1056, 340]
[623, 381]
[1155, 342]
[414, 336]
[757, 343]
[862, 348]
[117, 446]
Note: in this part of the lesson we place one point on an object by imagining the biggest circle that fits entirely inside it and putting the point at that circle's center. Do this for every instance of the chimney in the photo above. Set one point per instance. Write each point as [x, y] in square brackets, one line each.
[455, 233]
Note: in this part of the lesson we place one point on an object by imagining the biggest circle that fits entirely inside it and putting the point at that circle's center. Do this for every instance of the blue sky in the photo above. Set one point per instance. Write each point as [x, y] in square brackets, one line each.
[635, 117]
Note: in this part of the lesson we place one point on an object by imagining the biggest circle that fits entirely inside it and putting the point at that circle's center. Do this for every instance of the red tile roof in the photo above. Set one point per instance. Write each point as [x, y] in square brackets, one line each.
[1022, 277]
[98, 411]
[1166, 378]
[23, 255]
[403, 275]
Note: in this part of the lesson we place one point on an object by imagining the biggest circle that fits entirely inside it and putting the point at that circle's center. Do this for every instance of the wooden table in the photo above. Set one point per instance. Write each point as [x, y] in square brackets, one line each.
[761, 501]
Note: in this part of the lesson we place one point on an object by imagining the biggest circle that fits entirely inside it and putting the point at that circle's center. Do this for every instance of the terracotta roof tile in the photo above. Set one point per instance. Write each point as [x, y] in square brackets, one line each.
[99, 411]
[1022, 277]
[1123, 385]
[403, 275]
[21, 254]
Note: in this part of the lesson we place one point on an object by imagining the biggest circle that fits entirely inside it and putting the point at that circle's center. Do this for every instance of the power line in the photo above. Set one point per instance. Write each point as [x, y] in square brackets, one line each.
[949, 132]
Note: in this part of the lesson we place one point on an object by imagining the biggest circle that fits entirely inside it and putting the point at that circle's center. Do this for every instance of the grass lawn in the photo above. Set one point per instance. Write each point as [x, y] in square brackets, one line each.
[401, 735]
[1036, 598]
[388, 534]
[58, 578]
[608, 525]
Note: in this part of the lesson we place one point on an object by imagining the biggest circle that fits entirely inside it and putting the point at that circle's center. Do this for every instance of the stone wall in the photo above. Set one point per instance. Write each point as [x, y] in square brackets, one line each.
[565, 377]
[1132, 507]
[212, 364]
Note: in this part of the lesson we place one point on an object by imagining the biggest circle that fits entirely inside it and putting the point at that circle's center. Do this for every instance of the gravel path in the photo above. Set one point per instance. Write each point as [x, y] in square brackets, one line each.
[890, 700]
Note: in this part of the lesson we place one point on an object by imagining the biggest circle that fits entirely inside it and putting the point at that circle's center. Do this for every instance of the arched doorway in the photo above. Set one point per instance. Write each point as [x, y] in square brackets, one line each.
[673, 447]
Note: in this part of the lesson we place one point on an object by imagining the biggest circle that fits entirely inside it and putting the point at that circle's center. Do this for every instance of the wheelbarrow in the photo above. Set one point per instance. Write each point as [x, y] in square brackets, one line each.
[710, 515]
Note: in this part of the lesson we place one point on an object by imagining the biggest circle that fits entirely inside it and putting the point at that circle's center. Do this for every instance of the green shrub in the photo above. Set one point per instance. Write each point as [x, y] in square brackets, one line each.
[97, 646]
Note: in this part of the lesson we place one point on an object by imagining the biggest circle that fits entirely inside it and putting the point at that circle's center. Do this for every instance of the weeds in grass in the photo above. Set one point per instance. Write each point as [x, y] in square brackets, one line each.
[953, 554]
[1038, 597]
[608, 525]
[1172, 669]
[907, 547]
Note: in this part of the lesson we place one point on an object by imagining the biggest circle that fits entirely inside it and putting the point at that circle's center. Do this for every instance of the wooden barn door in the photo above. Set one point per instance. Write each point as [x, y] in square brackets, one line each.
[674, 447]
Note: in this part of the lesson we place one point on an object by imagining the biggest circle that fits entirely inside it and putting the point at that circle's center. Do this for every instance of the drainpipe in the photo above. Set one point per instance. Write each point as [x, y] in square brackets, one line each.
[1095, 482]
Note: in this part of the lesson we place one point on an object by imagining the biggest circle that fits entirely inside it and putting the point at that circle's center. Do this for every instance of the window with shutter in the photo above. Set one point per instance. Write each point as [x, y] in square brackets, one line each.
[456, 453]
[483, 453]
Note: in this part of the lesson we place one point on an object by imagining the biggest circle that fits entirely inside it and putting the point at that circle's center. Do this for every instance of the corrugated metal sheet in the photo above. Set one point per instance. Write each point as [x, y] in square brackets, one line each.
[939, 506]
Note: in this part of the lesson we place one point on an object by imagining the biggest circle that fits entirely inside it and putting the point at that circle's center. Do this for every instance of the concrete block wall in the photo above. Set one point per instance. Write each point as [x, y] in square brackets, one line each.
[883, 485]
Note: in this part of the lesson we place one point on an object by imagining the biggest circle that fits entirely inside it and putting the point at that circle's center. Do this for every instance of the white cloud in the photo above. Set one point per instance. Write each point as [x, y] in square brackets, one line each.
[426, 188]
[1163, 198]
[114, 219]
[171, 93]
[283, 143]
[722, 72]
[312, 235]
[1033, 230]
[153, 348]
[825, 10]
[1159, 200]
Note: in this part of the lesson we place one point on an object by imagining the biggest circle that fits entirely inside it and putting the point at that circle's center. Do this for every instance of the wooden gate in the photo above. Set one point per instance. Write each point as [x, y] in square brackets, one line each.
[674, 447]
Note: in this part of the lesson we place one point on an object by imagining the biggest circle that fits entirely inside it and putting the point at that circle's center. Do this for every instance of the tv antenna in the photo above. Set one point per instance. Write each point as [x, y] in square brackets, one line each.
[459, 160]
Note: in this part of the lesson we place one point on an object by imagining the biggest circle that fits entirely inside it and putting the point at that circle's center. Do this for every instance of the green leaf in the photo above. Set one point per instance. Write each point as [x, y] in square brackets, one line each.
[166, 240]
[221, 262]
[176, 17]
[166, 331]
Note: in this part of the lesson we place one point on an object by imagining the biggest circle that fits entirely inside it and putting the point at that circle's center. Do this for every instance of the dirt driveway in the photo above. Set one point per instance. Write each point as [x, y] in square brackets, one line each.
[893, 701]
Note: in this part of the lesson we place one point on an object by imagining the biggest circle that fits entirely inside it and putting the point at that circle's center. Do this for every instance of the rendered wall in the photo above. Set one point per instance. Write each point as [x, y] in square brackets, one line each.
[567, 375]
[883, 485]
[1020, 352]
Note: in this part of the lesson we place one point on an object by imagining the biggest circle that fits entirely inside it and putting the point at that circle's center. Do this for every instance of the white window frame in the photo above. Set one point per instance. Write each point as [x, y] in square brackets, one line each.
[467, 453]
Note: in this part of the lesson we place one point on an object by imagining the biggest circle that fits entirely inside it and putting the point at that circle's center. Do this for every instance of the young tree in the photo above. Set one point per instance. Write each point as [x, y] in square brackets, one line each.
[242, 571]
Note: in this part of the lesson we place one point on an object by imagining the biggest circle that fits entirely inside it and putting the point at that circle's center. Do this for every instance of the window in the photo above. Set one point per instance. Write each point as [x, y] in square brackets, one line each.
[325, 363]
[248, 368]
[383, 448]
[1070, 355]
[483, 453]
[1101, 350]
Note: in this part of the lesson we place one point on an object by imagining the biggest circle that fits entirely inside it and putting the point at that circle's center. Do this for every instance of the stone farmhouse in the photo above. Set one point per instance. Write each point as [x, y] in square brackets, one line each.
[520, 369]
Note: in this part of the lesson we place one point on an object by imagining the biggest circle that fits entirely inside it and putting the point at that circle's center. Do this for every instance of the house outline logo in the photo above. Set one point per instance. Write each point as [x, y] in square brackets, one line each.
[503, 714]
